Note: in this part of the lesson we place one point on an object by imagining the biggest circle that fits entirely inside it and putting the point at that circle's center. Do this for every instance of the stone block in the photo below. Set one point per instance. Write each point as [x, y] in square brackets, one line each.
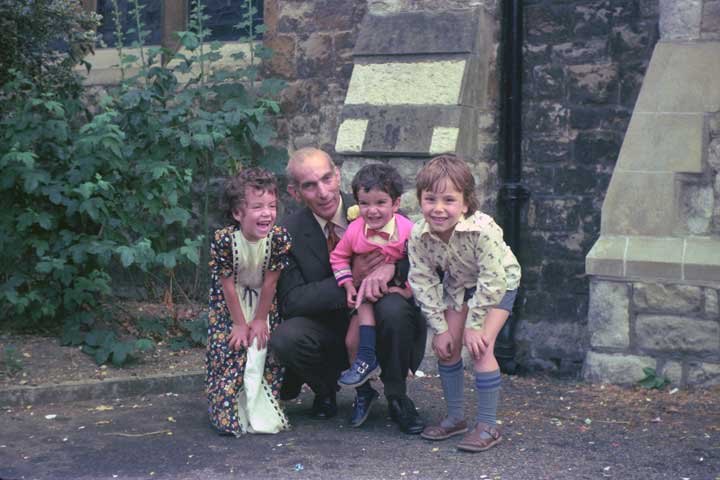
[673, 372]
[315, 57]
[593, 148]
[548, 81]
[282, 63]
[609, 314]
[654, 258]
[673, 67]
[592, 19]
[607, 257]
[712, 310]
[703, 374]
[351, 135]
[667, 298]
[592, 83]
[414, 83]
[292, 16]
[546, 116]
[697, 203]
[331, 15]
[417, 33]
[714, 154]
[663, 143]
[573, 53]
[553, 340]
[701, 262]
[710, 26]
[628, 42]
[547, 23]
[670, 333]
[616, 368]
[680, 19]
[553, 149]
[640, 203]
[555, 214]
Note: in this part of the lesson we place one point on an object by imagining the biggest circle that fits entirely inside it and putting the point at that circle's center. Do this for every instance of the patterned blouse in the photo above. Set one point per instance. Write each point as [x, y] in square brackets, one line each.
[475, 256]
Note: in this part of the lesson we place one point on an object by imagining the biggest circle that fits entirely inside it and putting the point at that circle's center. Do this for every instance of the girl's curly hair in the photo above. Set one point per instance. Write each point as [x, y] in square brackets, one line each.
[233, 197]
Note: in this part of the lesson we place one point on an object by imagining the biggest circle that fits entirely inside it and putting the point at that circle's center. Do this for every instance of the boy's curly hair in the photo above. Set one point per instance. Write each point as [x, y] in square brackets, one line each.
[378, 175]
[454, 169]
[233, 197]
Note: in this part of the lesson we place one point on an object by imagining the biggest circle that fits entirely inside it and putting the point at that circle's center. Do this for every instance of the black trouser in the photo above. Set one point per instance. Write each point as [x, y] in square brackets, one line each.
[314, 350]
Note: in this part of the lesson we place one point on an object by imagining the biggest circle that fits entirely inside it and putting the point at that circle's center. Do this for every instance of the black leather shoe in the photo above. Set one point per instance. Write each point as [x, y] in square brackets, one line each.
[402, 412]
[324, 406]
[361, 406]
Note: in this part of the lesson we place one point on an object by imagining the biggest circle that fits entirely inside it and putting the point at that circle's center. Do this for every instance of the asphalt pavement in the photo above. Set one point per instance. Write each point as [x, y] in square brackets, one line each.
[553, 429]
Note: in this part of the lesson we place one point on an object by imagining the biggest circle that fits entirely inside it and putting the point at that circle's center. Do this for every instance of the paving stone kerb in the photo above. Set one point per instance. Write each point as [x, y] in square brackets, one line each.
[103, 389]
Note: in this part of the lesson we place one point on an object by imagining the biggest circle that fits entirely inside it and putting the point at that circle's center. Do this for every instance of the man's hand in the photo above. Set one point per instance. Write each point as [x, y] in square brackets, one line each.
[476, 343]
[259, 330]
[374, 286]
[363, 265]
[442, 345]
[404, 291]
[238, 336]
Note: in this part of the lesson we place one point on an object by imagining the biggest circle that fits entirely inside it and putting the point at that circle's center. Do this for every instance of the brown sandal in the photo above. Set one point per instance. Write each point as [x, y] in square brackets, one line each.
[438, 432]
[476, 442]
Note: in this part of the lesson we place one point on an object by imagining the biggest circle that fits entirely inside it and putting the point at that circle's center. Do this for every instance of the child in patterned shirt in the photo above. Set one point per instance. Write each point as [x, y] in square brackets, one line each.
[243, 379]
[465, 279]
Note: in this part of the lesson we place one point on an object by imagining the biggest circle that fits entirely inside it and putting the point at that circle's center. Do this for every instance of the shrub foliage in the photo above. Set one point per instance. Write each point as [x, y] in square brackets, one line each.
[120, 180]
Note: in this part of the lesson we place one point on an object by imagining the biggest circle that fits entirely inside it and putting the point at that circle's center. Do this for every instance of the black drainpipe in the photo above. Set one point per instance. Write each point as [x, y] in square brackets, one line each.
[513, 194]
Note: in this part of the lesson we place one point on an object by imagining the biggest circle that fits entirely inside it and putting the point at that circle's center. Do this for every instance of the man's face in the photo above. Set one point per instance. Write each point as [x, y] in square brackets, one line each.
[317, 184]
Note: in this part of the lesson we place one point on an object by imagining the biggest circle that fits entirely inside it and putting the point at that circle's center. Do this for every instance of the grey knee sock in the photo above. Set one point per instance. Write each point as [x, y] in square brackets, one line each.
[452, 379]
[487, 385]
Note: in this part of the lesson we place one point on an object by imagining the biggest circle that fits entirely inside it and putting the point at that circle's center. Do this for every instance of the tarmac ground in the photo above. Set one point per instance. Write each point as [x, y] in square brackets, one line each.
[553, 429]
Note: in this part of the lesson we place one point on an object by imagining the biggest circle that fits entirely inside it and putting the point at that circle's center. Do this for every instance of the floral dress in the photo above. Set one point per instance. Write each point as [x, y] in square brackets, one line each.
[243, 386]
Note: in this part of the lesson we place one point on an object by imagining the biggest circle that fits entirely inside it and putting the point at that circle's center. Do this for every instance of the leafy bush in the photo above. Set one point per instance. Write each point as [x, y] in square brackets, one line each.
[44, 40]
[90, 191]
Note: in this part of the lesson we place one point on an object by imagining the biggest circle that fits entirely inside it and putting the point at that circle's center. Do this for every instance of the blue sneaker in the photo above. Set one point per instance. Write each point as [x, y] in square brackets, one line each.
[359, 373]
[361, 406]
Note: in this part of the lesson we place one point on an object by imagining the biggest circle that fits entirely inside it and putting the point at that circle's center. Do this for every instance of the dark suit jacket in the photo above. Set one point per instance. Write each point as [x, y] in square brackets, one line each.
[307, 287]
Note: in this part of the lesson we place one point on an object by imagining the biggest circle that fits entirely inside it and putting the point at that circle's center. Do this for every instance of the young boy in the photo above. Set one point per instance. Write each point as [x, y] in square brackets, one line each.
[377, 189]
[465, 279]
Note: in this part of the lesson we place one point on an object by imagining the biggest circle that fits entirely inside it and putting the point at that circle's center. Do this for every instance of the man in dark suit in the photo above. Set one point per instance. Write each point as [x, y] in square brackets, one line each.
[310, 342]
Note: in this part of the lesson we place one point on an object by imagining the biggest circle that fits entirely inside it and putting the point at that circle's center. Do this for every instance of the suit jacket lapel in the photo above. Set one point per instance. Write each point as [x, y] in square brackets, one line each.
[316, 237]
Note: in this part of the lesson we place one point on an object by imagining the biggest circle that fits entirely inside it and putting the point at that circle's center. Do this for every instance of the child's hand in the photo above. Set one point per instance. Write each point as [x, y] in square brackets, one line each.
[238, 336]
[476, 343]
[350, 294]
[259, 330]
[404, 291]
[442, 345]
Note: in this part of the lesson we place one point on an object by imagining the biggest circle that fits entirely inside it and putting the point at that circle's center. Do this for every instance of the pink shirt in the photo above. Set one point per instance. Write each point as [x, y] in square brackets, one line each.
[355, 242]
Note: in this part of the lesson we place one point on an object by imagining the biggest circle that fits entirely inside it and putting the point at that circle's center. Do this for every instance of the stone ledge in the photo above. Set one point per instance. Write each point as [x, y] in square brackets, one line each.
[103, 389]
[691, 260]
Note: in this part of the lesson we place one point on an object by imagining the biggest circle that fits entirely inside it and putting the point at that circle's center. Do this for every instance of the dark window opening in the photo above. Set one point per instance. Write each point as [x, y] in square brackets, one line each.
[224, 16]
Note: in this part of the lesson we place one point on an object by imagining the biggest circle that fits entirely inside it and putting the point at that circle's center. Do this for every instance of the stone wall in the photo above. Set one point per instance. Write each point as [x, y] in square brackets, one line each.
[313, 42]
[584, 65]
[673, 329]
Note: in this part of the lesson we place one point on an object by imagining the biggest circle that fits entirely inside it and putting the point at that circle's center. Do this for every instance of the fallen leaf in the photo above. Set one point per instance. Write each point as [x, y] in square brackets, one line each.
[51, 416]
[171, 419]
[103, 408]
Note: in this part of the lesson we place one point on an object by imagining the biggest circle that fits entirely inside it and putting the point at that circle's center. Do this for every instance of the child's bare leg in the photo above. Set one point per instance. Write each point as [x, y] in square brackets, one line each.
[352, 338]
[365, 364]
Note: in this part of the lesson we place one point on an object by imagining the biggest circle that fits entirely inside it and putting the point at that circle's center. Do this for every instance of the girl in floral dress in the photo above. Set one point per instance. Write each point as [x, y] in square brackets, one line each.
[243, 380]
